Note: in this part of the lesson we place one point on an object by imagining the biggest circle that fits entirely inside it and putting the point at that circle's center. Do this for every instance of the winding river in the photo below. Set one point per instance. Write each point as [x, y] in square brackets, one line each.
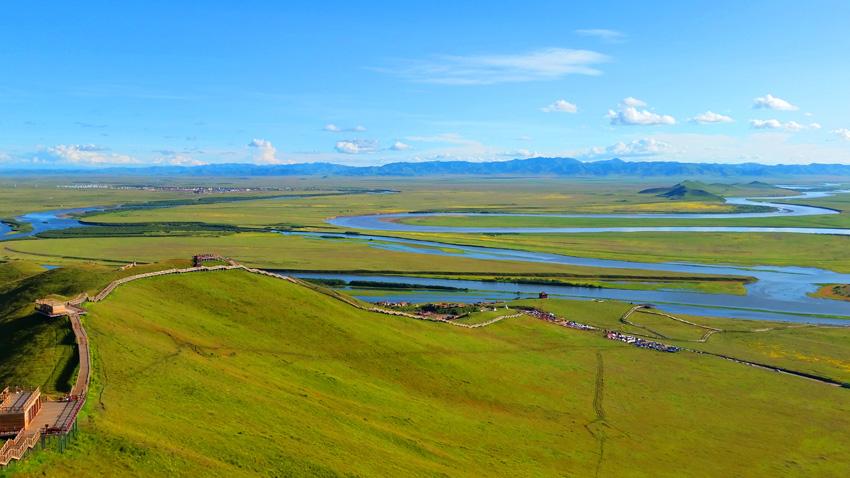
[780, 293]
[390, 222]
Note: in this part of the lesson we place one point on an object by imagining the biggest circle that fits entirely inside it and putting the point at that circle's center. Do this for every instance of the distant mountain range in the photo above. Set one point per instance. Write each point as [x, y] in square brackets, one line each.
[515, 167]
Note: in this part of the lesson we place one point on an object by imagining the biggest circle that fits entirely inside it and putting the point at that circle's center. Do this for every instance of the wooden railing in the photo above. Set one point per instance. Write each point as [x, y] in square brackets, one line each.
[17, 447]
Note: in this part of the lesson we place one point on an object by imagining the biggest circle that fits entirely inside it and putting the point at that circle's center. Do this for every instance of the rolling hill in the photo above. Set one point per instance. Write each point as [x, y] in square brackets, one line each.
[700, 191]
[688, 190]
[234, 374]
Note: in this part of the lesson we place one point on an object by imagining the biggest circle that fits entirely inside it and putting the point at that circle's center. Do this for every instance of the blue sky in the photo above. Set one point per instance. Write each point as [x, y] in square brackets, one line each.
[137, 83]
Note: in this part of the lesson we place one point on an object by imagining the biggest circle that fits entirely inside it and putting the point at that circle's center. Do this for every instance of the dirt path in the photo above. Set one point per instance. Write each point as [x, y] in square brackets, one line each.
[709, 331]
[598, 427]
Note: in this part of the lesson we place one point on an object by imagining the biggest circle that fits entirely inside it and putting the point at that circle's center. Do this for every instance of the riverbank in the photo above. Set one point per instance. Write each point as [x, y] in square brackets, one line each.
[14, 226]
[834, 292]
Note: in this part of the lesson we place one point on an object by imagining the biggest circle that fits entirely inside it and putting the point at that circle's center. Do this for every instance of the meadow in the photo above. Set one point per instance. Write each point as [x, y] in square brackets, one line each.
[748, 249]
[457, 195]
[820, 350]
[35, 350]
[233, 374]
[543, 196]
[255, 374]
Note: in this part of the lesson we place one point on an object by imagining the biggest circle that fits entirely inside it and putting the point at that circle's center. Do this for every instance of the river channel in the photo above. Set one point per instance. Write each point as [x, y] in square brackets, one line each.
[779, 293]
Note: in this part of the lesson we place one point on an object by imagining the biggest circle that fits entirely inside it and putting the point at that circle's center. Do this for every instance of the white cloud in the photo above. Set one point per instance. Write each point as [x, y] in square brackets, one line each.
[356, 146]
[399, 146]
[178, 159]
[766, 124]
[547, 64]
[771, 102]
[560, 106]
[630, 114]
[636, 148]
[711, 117]
[792, 126]
[82, 154]
[610, 36]
[265, 152]
[332, 128]
[842, 133]
[634, 102]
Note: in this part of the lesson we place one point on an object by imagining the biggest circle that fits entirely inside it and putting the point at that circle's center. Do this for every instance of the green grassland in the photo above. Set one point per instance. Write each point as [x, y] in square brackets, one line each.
[561, 196]
[20, 196]
[487, 315]
[735, 286]
[823, 251]
[840, 202]
[46, 345]
[231, 374]
[535, 196]
[552, 196]
[20, 200]
[278, 251]
[820, 350]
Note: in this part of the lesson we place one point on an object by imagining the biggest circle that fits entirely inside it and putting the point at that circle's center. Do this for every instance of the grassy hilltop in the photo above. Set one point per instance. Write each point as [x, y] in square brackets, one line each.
[233, 374]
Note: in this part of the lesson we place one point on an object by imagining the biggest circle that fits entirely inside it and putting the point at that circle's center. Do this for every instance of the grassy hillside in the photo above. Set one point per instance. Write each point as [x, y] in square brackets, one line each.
[36, 350]
[714, 191]
[685, 191]
[13, 271]
[232, 374]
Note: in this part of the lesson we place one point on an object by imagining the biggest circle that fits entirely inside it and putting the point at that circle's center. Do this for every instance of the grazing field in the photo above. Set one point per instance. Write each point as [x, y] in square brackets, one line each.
[549, 196]
[538, 196]
[276, 251]
[822, 251]
[820, 350]
[543, 196]
[255, 374]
